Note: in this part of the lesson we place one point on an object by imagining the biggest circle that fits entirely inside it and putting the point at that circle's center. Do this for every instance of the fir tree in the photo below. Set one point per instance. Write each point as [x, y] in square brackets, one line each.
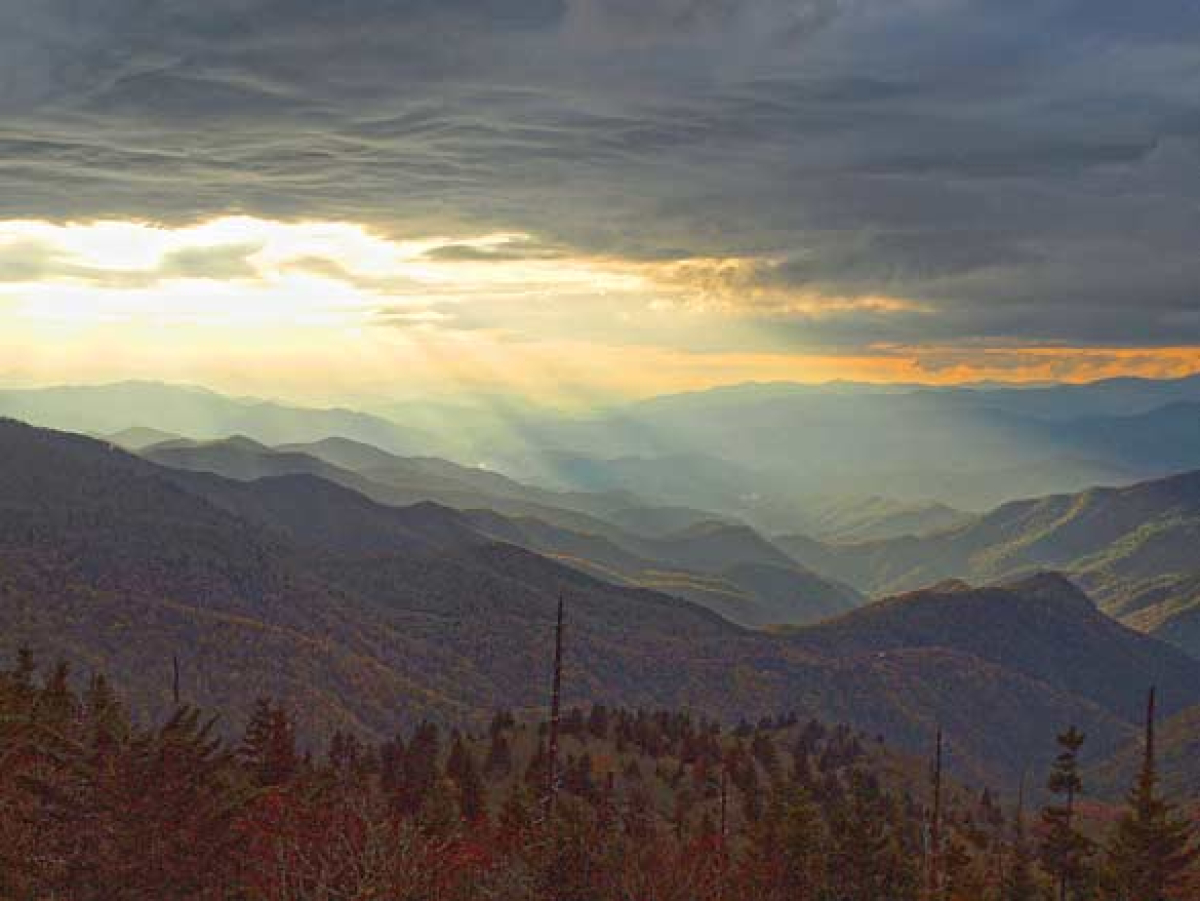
[56, 705]
[462, 770]
[269, 745]
[499, 761]
[1149, 850]
[598, 722]
[420, 769]
[1064, 849]
[440, 809]
[752, 800]
[1018, 882]
[105, 716]
[517, 813]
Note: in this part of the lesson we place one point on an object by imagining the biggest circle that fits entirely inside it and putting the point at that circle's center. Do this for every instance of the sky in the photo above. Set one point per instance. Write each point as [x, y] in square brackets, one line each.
[588, 199]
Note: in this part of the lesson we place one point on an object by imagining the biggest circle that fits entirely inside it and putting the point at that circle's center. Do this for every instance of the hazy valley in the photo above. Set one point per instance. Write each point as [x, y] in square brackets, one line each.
[312, 556]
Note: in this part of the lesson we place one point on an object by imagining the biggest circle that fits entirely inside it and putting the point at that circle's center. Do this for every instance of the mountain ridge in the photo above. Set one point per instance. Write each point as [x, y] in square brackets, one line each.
[1133, 548]
[666, 562]
[111, 560]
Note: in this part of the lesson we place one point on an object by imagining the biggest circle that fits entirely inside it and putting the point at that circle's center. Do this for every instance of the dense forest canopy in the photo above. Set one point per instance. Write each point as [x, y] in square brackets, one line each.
[636, 804]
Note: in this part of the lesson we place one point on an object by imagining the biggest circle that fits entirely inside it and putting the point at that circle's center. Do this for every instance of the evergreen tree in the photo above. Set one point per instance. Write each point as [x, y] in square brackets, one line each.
[19, 682]
[803, 841]
[106, 722]
[463, 772]
[499, 761]
[1064, 849]
[391, 767]
[861, 842]
[456, 760]
[56, 704]
[752, 795]
[269, 745]
[420, 770]
[1018, 882]
[516, 815]
[440, 809]
[1149, 851]
[598, 722]
[501, 722]
[577, 777]
[762, 749]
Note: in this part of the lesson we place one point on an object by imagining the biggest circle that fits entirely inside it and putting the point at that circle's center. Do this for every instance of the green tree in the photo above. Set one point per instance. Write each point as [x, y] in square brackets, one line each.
[420, 769]
[1064, 850]
[804, 845]
[499, 761]
[1018, 882]
[1149, 851]
[269, 746]
[464, 772]
[56, 704]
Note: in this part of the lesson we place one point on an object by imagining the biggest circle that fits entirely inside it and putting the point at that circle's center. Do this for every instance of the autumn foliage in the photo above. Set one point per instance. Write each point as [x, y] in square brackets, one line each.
[650, 807]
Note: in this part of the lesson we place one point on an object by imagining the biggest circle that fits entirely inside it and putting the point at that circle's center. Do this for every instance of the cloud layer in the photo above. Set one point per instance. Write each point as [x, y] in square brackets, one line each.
[1016, 172]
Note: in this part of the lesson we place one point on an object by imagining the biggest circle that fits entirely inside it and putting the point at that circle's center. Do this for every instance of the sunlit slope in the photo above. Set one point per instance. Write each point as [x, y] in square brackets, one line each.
[359, 614]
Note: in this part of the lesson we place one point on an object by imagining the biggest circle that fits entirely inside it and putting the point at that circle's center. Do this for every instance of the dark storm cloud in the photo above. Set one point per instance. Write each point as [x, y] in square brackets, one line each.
[1029, 169]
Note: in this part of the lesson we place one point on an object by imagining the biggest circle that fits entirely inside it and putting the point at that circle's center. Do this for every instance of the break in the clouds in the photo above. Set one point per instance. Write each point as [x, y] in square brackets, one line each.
[837, 174]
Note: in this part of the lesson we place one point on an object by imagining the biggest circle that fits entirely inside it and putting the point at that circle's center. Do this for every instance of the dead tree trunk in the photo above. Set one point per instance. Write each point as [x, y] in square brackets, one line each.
[555, 716]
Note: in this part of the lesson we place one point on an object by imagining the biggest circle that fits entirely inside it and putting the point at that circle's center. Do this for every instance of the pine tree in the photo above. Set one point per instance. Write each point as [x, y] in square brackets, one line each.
[762, 749]
[462, 770]
[21, 680]
[440, 808]
[516, 815]
[391, 767]
[56, 704]
[499, 761]
[502, 721]
[1064, 849]
[1149, 850]
[106, 720]
[456, 760]
[1018, 883]
[862, 849]
[577, 777]
[420, 770]
[752, 796]
[269, 745]
[598, 721]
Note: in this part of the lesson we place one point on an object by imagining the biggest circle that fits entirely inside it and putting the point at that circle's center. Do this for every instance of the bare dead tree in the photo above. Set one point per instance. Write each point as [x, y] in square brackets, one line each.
[934, 874]
[555, 716]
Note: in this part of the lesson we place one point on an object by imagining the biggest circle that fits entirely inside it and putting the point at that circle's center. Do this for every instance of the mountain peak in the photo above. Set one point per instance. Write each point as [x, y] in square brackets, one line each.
[1050, 586]
[951, 586]
[242, 443]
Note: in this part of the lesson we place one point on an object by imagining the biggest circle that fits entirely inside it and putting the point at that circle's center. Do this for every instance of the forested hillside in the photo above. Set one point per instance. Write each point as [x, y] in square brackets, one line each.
[366, 617]
[727, 568]
[1133, 548]
[605, 804]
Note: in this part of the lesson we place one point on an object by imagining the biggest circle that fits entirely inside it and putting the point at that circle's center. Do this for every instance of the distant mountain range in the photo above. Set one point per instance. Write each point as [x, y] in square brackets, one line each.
[1137, 549]
[965, 447]
[129, 409]
[780, 457]
[1125, 396]
[367, 615]
[726, 567]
